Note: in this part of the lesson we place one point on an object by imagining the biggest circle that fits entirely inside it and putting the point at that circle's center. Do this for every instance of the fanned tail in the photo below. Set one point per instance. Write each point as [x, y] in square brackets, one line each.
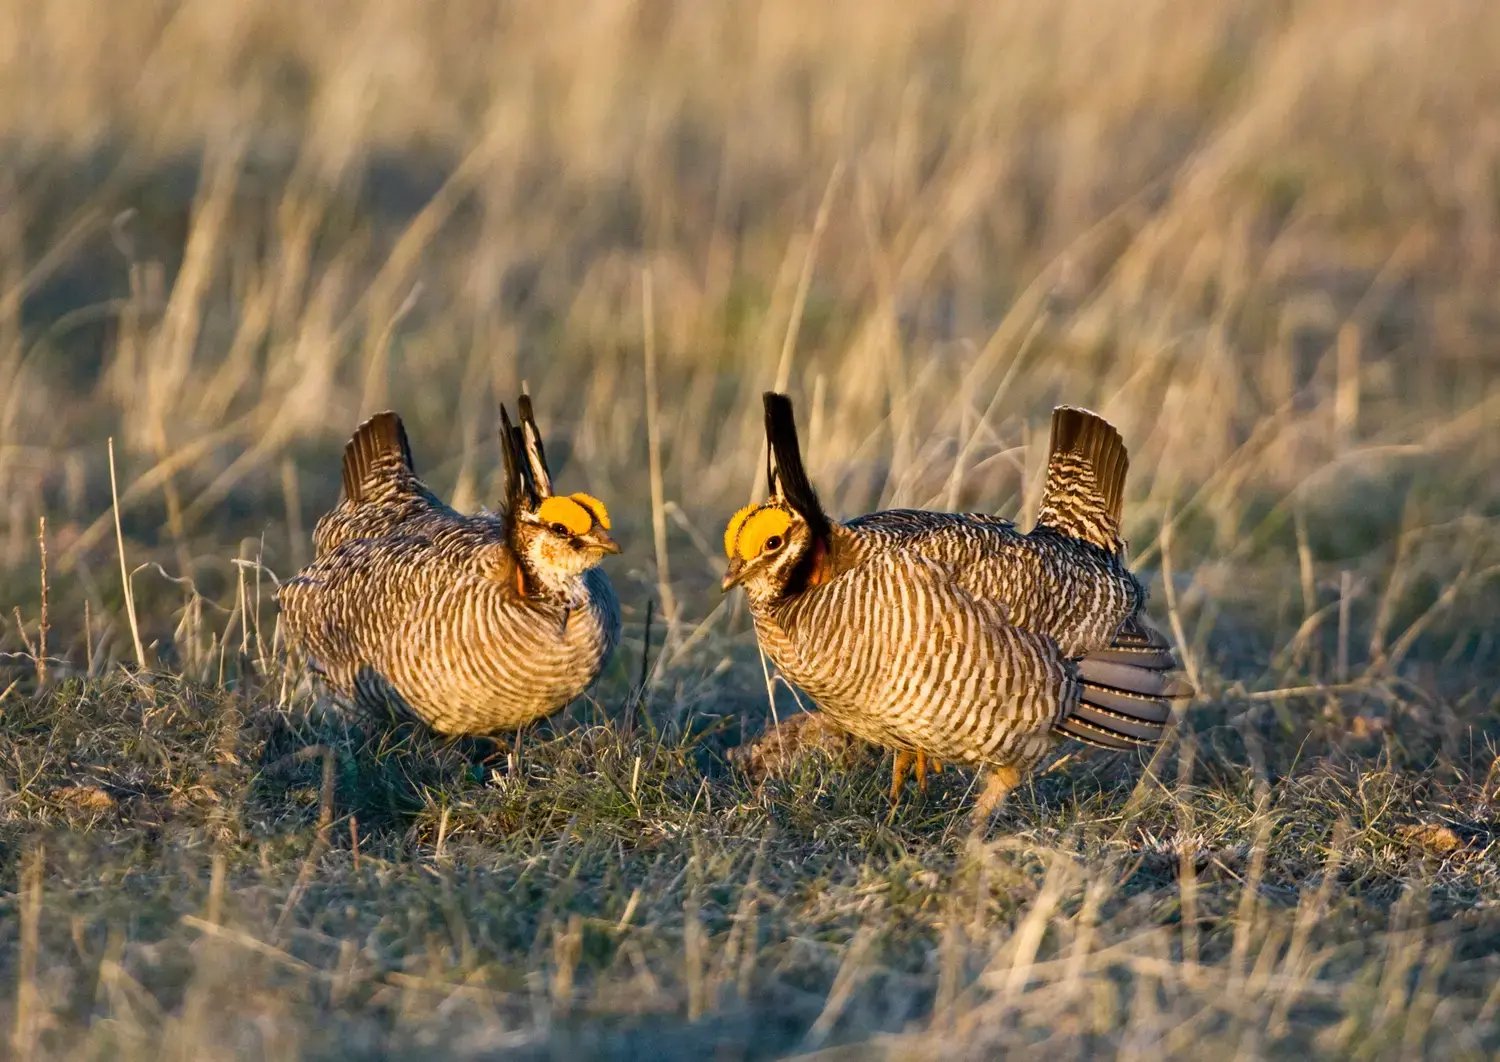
[1139, 645]
[1085, 489]
[1126, 692]
[377, 452]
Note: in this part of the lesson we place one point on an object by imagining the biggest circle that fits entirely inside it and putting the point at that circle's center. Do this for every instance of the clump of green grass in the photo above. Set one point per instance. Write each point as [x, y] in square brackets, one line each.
[217, 874]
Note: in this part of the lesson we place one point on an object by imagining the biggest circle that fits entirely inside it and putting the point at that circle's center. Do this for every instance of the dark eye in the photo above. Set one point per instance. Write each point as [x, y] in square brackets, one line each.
[560, 529]
[773, 544]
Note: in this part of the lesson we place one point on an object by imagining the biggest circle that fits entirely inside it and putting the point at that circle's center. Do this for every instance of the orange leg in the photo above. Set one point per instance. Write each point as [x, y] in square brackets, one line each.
[898, 775]
[924, 762]
[921, 770]
[915, 762]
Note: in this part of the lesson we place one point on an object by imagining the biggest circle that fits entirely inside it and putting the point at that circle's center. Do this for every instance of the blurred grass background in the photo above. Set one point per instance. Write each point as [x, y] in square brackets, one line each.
[1262, 238]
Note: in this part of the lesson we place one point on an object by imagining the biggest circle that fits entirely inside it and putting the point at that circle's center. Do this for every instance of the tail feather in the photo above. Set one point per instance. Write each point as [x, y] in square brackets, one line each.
[1117, 725]
[377, 451]
[1138, 645]
[1152, 659]
[1100, 738]
[1123, 704]
[1103, 671]
[1086, 467]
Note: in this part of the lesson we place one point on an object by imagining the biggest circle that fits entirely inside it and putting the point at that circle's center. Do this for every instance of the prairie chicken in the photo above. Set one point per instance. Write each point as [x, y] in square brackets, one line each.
[954, 636]
[469, 624]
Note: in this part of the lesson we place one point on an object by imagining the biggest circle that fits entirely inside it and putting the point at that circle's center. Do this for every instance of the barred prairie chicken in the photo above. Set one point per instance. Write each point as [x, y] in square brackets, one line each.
[954, 636]
[470, 624]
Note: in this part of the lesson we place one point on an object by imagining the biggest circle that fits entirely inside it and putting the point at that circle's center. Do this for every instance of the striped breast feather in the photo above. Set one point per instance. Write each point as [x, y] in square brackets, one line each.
[606, 604]
[910, 524]
[437, 549]
[951, 540]
[897, 637]
[356, 597]
[1074, 592]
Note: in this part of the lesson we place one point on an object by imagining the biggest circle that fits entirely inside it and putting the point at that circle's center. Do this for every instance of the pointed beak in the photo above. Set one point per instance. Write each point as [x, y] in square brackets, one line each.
[733, 576]
[601, 541]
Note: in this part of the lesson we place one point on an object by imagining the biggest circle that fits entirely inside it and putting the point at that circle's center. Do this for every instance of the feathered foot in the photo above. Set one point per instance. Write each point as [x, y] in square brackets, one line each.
[999, 782]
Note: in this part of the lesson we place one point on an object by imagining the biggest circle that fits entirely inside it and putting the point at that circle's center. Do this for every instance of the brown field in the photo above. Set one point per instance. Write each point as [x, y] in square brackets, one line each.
[1262, 238]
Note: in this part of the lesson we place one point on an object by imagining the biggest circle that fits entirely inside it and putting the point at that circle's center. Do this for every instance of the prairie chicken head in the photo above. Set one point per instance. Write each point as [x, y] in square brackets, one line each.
[779, 546]
[557, 537]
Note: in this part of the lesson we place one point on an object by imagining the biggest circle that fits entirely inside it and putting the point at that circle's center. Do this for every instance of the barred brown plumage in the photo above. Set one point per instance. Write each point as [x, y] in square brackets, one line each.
[470, 624]
[955, 636]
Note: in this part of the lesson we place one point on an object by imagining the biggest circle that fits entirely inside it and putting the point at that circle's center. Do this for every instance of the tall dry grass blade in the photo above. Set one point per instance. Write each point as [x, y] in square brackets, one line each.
[653, 457]
[567, 946]
[1347, 386]
[1395, 584]
[26, 640]
[1301, 643]
[88, 638]
[635, 702]
[185, 456]
[804, 279]
[799, 304]
[1466, 578]
[1346, 601]
[135, 630]
[45, 623]
[291, 499]
[1174, 615]
[852, 970]
[321, 837]
[28, 1024]
[1187, 869]
[694, 957]
[214, 912]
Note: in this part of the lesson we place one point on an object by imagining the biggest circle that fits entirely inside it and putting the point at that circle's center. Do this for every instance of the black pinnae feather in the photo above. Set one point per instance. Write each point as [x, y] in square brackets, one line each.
[536, 454]
[772, 487]
[518, 441]
[787, 470]
[517, 487]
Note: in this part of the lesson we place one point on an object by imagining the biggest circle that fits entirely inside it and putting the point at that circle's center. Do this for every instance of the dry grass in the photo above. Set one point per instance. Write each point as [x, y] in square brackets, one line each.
[1264, 239]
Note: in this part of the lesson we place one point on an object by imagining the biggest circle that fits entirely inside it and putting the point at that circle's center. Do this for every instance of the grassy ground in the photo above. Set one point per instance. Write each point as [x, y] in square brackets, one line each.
[1264, 239]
